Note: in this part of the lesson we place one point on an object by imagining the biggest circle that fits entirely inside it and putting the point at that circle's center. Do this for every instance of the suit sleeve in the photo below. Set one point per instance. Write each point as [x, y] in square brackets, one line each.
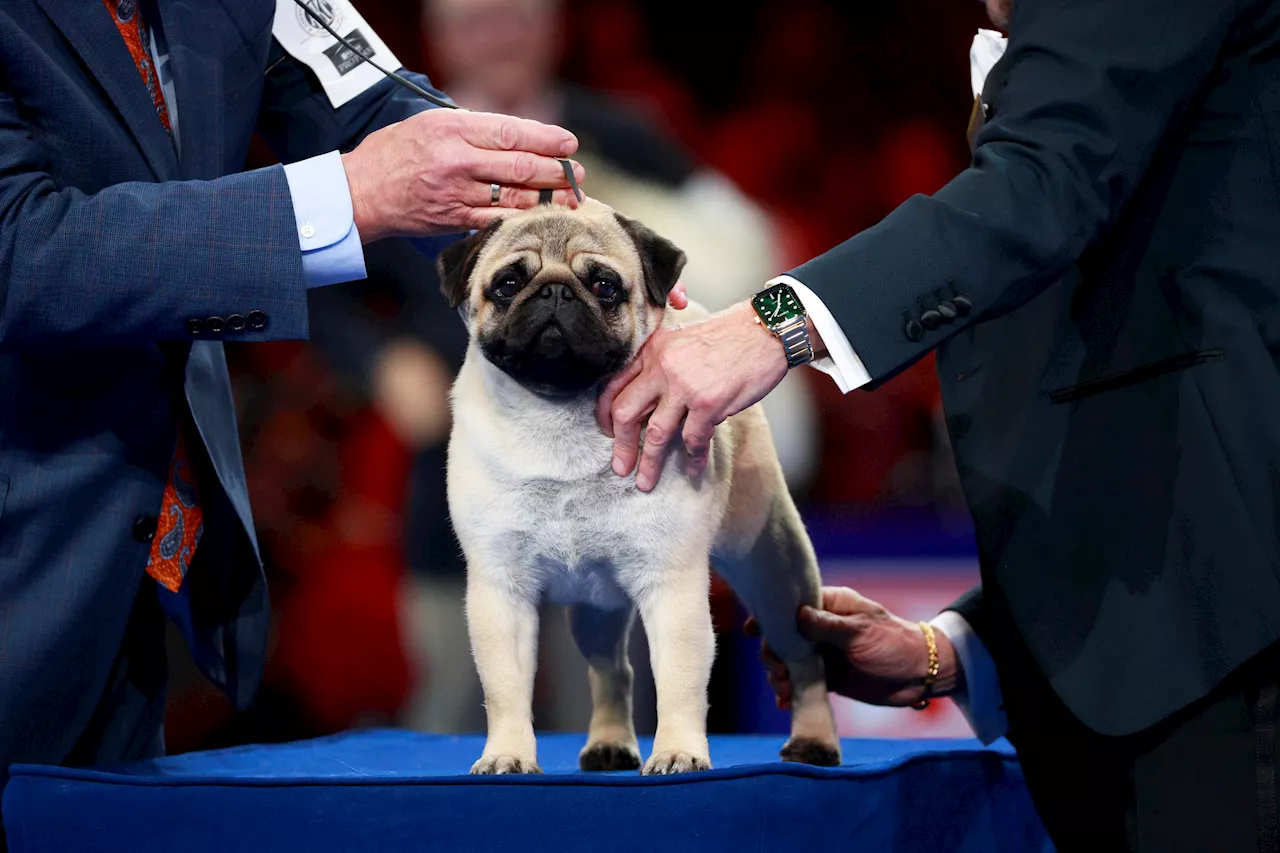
[298, 121]
[137, 262]
[1092, 87]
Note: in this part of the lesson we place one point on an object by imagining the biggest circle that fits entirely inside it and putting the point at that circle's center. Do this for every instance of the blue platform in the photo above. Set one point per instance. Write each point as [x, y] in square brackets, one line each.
[394, 791]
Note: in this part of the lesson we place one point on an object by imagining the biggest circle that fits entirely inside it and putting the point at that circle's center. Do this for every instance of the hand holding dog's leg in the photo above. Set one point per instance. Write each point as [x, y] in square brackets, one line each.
[682, 646]
[601, 636]
[504, 640]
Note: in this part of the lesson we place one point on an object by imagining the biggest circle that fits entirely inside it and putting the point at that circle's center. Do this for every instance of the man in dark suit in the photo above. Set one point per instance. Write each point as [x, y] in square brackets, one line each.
[131, 247]
[1103, 292]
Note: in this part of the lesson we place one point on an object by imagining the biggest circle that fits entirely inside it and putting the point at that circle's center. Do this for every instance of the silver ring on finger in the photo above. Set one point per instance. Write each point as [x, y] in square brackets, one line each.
[495, 194]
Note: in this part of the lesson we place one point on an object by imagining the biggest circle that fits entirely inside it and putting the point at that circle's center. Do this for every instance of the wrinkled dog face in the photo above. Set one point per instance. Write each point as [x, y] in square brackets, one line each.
[560, 299]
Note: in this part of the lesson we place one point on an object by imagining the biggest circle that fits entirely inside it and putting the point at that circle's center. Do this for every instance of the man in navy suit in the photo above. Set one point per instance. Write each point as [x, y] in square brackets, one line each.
[1102, 287]
[131, 247]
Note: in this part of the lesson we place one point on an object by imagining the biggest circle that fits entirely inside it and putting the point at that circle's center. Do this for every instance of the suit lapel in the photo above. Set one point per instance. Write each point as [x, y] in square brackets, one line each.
[87, 26]
[197, 76]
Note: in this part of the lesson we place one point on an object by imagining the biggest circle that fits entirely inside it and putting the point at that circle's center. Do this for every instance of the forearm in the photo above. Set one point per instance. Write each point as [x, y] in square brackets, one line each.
[149, 262]
[1088, 100]
[298, 121]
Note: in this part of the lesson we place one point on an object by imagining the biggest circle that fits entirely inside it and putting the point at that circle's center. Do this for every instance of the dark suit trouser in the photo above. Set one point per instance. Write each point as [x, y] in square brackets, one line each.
[1201, 781]
[128, 723]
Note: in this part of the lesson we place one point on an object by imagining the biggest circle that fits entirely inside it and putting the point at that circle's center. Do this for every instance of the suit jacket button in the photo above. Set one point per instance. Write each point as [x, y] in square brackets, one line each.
[931, 319]
[257, 320]
[963, 306]
[913, 330]
[214, 324]
[144, 528]
[235, 322]
[947, 310]
[195, 326]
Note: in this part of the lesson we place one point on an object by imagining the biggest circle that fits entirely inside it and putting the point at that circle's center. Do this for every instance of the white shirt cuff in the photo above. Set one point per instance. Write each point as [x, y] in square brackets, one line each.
[331, 247]
[842, 363]
[981, 702]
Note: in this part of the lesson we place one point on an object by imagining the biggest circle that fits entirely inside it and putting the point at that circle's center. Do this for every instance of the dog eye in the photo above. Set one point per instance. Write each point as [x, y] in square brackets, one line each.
[604, 290]
[507, 288]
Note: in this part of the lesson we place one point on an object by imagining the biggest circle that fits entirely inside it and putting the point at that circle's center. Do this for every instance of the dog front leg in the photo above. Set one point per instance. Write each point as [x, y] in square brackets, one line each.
[503, 624]
[677, 619]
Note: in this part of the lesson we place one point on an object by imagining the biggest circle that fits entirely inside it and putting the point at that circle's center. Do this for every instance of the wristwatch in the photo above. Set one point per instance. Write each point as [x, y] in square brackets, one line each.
[779, 310]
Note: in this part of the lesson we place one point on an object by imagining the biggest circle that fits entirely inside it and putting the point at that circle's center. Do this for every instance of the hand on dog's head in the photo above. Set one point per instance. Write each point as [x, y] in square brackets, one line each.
[560, 299]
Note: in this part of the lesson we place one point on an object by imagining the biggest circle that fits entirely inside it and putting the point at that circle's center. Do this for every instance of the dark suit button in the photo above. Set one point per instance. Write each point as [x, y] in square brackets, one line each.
[195, 326]
[931, 319]
[235, 322]
[144, 528]
[947, 310]
[913, 330]
[963, 306]
[214, 324]
[257, 320]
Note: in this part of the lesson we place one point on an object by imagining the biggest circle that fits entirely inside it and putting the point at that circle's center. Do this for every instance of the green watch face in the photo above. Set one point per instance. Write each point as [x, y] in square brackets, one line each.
[777, 305]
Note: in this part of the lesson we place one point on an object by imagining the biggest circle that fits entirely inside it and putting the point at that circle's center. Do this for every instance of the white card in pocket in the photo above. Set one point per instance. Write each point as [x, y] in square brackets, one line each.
[343, 74]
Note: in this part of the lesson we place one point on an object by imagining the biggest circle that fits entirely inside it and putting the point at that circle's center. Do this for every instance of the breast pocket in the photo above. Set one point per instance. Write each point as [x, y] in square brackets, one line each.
[1134, 376]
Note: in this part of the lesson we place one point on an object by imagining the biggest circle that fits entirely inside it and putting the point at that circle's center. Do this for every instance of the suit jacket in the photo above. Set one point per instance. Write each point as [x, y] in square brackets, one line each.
[1103, 289]
[111, 248]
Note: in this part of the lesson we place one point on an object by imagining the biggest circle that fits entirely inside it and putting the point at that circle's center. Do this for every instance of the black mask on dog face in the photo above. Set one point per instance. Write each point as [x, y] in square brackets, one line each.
[559, 334]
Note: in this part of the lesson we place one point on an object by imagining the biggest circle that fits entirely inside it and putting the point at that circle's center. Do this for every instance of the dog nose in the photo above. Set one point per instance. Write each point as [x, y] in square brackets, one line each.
[561, 292]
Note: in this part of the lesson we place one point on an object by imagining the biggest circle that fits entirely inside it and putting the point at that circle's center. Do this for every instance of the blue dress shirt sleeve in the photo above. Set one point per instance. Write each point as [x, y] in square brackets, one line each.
[331, 247]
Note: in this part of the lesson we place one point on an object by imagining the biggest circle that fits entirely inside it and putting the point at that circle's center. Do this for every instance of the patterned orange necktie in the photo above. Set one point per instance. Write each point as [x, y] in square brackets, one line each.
[137, 37]
[181, 520]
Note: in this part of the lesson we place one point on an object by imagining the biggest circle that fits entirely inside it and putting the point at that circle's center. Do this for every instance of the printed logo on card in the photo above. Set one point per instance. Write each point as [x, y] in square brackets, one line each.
[318, 11]
[343, 58]
[342, 70]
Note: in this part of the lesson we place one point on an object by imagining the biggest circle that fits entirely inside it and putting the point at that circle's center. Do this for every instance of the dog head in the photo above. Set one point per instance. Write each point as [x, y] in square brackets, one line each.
[559, 299]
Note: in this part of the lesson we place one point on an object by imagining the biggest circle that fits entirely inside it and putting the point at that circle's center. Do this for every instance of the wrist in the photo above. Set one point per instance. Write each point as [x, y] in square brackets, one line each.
[950, 680]
[815, 338]
[775, 348]
[363, 213]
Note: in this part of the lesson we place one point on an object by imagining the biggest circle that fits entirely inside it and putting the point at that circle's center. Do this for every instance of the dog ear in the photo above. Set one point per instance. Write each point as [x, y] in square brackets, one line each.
[662, 260]
[458, 259]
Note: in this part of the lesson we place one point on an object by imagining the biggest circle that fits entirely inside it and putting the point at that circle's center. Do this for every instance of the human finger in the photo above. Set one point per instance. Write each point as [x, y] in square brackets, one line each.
[663, 427]
[509, 133]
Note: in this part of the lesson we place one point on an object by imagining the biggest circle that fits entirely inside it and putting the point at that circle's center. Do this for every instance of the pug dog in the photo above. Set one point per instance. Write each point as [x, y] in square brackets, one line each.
[556, 301]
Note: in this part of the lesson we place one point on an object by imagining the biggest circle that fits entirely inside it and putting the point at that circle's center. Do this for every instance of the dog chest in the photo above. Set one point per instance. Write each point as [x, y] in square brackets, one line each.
[578, 541]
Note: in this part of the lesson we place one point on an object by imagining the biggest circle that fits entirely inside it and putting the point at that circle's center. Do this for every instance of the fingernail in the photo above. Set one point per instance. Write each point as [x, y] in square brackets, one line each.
[643, 483]
[569, 146]
[618, 467]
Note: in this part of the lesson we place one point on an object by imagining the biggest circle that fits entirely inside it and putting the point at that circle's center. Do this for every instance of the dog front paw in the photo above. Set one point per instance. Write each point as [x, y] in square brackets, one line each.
[806, 750]
[500, 765]
[674, 761]
[609, 755]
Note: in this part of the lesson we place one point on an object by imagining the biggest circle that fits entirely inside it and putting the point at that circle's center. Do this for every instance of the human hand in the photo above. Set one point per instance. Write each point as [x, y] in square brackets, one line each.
[870, 654]
[411, 392]
[699, 373]
[432, 173]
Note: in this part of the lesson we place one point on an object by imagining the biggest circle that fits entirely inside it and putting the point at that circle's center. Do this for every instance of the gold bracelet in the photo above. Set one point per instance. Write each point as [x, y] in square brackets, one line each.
[932, 674]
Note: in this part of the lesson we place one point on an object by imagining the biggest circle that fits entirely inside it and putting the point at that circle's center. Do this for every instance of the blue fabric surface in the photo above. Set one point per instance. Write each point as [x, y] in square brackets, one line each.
[389, 791]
